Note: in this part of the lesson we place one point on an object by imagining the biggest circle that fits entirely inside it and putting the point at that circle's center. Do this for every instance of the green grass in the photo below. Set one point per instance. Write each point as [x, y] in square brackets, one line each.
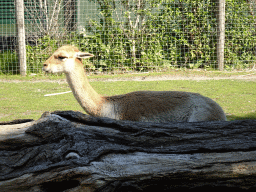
[25, 100]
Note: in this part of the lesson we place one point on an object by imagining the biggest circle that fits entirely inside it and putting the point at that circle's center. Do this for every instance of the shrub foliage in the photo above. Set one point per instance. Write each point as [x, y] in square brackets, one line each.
[158, 34]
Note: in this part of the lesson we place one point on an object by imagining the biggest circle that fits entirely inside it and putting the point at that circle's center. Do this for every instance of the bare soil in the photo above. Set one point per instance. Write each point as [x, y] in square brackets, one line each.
[147, 77]
[249, 77]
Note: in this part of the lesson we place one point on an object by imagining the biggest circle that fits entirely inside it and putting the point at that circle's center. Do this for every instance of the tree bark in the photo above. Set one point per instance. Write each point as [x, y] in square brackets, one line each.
[221, 34]
[70, 151]
[20, 25]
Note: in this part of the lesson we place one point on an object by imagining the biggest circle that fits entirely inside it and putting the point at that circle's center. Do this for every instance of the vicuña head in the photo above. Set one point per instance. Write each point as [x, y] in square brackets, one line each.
[154, 106]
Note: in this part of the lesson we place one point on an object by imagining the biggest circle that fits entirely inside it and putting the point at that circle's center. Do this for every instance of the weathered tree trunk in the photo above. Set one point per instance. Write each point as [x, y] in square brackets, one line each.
[70, 151]
[20, 25]
[221, 34]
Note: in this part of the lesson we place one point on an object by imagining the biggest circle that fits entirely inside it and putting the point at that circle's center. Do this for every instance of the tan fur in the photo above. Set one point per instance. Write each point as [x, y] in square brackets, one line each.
[156, 106]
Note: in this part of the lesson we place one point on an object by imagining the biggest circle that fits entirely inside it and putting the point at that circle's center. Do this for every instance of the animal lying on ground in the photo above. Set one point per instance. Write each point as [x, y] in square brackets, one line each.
[145, 106]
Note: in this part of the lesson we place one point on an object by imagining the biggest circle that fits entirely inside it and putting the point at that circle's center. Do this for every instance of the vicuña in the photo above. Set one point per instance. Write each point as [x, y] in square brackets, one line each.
[145, 106]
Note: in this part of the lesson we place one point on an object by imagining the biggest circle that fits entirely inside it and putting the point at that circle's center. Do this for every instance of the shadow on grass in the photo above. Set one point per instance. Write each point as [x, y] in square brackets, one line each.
[247, 116]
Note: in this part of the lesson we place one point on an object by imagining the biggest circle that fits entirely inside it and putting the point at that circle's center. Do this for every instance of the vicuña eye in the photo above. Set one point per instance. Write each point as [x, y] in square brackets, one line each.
[62, 58]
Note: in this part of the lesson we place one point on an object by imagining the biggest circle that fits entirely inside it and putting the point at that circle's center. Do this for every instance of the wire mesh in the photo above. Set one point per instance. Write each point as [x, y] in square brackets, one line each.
[131, 35]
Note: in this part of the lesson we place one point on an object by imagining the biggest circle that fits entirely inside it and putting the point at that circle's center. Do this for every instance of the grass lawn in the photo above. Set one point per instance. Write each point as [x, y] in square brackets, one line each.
[25, 99]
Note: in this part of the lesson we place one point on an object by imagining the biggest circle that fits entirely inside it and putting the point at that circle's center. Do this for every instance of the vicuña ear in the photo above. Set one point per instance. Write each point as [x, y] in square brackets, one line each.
[83, 55]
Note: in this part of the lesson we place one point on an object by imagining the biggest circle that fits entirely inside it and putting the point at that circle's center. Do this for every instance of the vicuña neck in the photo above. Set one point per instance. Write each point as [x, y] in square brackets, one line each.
[87, 97]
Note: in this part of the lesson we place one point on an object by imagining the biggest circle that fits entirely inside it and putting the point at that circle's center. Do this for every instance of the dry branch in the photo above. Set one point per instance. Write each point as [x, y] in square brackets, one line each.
[75, 152]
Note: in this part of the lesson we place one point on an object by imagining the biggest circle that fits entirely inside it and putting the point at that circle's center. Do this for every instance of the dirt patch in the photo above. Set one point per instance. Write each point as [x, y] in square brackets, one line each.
[148, 77]
[249, 77]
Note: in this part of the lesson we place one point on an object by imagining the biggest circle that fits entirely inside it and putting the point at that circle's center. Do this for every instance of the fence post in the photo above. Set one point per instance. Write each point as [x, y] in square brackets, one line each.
[19, 9]
[221, 34]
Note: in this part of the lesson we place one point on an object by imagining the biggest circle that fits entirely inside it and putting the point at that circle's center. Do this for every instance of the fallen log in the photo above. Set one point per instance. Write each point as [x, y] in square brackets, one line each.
[71, 151]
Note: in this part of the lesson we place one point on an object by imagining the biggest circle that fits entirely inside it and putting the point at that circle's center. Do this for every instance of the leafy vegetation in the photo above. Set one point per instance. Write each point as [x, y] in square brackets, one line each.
[8, 62]
[145, 35]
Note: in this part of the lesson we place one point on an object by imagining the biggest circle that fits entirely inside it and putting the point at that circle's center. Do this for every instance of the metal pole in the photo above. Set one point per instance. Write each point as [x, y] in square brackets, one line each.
[221, 34]
[19, 8]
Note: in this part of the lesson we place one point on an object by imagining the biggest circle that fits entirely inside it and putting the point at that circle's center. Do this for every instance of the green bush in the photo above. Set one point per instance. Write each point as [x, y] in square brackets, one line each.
[158, 35]
[9, 62]
[240, 34]
[189, 35]
[191, 32]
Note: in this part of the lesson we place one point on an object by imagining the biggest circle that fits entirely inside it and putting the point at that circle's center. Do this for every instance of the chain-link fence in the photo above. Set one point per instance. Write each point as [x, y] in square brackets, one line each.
[131, 35]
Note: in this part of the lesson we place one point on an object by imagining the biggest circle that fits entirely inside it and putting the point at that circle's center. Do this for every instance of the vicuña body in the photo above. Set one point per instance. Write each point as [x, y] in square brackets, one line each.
[154, 106]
